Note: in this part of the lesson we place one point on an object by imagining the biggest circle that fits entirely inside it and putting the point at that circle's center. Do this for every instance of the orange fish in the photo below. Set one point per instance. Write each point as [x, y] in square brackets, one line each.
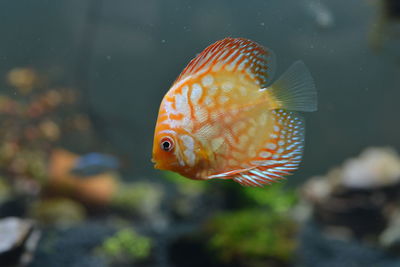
[223, 118]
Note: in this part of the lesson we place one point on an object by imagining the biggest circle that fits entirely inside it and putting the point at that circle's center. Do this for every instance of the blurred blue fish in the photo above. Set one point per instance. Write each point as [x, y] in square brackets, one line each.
[94, 163]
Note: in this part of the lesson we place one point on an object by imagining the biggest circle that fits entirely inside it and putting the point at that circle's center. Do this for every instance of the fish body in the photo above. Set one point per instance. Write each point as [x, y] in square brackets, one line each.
[222, 117]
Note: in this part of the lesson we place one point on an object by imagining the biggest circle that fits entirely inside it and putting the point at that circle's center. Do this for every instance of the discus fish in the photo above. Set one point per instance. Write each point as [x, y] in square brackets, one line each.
[223, 118]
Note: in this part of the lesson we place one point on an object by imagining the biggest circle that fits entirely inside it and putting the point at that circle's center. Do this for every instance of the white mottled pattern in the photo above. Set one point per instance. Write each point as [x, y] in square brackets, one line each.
[197, 91]
[262, 120]
[243, 139]
[242, 64]
[206, 131]
[188, 151]
[214, 116]
[271, 146]
[253, 122]
[181, 101]
[208, 100]
[212, 90]
[229, 67]
[234, 110]
[188, 142]
[180, 160]
[251, 131]
[288, 153]
[182, 106]
[227, 86]
[237, 59]
[229, 138]
[232, 162]
[252, 150]
[201, 114]
[243, 90]
[216, 143]
[207, 80]
[238, 126]
[190, 158]
[169, 109]
[223, 99]
[265, 154]
[228, 119]
[217, 67]
[236, 154]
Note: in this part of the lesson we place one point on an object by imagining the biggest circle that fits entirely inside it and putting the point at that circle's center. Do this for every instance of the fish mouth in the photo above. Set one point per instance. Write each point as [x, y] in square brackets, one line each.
[163, 166]
[156, 165]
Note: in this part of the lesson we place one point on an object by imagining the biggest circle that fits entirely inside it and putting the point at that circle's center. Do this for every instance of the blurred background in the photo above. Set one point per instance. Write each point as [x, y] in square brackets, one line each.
[80, 86]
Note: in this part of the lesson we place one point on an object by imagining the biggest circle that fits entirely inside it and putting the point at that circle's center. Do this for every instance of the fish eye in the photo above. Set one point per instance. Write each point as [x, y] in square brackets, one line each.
[167, 144]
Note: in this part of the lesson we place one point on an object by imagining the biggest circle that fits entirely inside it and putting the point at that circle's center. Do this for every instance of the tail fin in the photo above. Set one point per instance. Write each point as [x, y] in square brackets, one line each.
[295, 89]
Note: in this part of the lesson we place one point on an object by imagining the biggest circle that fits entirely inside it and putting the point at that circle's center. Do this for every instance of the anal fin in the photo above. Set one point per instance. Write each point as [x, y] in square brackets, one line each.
[281, 152]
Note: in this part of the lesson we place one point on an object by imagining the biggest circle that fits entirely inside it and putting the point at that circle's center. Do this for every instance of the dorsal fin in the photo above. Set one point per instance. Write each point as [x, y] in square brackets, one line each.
[234, 54]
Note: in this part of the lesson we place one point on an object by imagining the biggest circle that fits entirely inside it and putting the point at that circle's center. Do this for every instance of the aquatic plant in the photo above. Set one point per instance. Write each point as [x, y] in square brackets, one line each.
[139, 197]
[57, 211]
[261, 230]
[185, 185]
[252, 234]
[188, 195]
[275, 197]
[5, 190]
[126, 246]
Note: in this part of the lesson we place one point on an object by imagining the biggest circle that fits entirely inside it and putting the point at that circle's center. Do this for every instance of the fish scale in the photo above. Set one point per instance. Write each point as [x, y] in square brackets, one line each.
[224, 120]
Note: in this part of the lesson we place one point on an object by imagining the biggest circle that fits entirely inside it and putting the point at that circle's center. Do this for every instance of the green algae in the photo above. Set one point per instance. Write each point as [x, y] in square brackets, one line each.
[126, 246]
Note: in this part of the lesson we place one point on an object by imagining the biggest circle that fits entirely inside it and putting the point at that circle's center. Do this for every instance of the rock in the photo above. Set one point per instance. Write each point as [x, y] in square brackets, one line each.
[13, 232]
[374, 167]
[390, 238]
[72, 246]
[322, 250]
[18, 240]
[348, 196]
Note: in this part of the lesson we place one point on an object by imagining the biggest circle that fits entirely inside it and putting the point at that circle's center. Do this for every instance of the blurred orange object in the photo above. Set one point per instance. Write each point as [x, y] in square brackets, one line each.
[91, 190]
[24, 79]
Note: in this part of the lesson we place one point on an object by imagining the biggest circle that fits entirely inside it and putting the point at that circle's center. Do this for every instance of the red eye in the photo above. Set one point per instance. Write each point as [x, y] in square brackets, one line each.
[167, 144]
